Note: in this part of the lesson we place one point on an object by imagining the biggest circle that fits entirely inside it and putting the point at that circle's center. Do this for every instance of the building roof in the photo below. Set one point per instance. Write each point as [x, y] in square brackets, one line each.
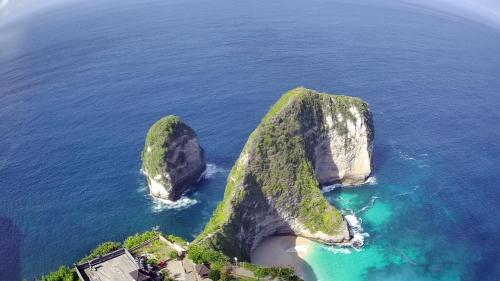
[118, 265]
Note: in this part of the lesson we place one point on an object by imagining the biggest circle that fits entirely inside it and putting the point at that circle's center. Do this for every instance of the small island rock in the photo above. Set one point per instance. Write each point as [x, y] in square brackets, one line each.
[172, 159]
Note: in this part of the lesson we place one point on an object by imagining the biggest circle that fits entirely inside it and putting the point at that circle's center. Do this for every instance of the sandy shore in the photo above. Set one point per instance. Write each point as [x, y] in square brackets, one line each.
[283, 251]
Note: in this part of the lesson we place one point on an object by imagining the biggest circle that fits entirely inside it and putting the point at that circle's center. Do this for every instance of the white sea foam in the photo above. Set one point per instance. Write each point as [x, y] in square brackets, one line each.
[405, 155]
[372, 202]
[160, 204]
[358, 236]
[143, 188]
[371, 180]
[328, 188]
[212, 170]
[339, 250]
[297, 249]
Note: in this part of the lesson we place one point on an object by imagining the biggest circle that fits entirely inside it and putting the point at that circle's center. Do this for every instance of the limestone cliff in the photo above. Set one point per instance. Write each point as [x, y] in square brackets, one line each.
[172, 158]
[307, 139]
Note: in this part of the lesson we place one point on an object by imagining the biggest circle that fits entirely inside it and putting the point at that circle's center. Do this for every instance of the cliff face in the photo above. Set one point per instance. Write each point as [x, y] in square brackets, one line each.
[172, 158]
[307, 139]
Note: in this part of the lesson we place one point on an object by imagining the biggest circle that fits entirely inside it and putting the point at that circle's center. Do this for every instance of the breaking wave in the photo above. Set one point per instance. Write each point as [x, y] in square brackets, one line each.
[357, 241]
[212, 170]
[160, 205]
[338, 250]
[328, 188]
[358, 234]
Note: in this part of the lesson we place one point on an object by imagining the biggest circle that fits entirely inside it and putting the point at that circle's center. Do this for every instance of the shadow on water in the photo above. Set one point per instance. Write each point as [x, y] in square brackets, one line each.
[10, 250]
[380, 156]
[279, 251]
[275, 251]
[307, 269]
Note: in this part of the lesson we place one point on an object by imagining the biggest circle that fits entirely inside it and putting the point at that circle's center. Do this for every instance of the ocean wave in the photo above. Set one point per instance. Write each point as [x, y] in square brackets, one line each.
[212, 170]
[405, 155]
[372, 202]
[297, 249]
[338, 250]
[160, 204]
[143, 188]
[407, 192]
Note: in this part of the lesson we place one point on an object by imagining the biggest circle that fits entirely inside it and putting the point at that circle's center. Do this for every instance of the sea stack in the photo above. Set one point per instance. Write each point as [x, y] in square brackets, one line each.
[307, 139]
[172, 159]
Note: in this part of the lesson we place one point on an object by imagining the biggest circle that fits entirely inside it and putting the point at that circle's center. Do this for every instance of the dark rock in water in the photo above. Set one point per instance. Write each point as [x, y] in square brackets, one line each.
[172, 158]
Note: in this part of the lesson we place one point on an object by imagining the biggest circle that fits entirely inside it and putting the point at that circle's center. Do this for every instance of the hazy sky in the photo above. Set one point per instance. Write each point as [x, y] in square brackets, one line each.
[485, 11]
[11, 10]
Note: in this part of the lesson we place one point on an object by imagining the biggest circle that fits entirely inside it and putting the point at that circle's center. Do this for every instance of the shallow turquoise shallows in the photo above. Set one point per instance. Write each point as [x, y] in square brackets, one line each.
[82, 81]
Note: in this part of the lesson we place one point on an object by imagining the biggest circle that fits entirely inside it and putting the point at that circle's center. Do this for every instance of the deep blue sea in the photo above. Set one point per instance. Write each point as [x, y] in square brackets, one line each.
[81, 83]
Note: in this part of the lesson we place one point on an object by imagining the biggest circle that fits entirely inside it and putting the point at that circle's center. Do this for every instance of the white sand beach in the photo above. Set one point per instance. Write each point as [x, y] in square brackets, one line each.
[283, 251]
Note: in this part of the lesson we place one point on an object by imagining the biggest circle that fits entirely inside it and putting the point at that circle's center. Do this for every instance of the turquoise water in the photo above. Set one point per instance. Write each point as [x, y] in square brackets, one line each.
[80, 84]
[404, 240]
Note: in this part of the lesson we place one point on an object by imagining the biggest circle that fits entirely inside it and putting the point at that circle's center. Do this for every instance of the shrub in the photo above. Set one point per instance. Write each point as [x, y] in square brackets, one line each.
[214, 274]
[102, 249]
[200, 253]
[62, 274]
[153, 262]
[137, 239]
[177, 240]
[172, 255]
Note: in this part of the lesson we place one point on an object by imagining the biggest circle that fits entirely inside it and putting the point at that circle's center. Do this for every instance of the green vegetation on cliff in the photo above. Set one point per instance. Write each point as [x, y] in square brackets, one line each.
[154, 148]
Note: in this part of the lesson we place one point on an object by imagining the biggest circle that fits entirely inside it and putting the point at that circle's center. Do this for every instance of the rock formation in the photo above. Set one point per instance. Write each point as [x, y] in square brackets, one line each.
[307, 139]
[172, 159]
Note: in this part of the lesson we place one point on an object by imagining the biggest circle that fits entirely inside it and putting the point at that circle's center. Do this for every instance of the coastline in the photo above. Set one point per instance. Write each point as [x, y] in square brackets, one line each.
[289, 251]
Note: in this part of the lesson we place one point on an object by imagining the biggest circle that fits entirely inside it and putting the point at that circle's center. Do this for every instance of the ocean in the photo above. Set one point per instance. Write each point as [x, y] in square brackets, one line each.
[81, 82]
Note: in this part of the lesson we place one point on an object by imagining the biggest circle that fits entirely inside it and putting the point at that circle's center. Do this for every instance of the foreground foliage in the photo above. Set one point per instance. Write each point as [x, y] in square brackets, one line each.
[139, 238]
[62, 274]
[101, 250]
[177, 239]
[279, 273]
